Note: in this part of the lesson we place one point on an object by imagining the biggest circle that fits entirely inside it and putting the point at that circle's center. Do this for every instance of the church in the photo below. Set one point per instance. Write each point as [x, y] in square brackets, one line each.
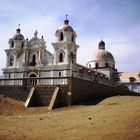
[42, 78]
[30, 58]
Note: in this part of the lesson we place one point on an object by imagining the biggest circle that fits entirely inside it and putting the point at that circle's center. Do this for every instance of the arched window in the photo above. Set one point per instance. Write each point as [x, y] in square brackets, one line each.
[22, 45]
[11, 61]
[72, 38]
[61, 58]
[61, 36]
[96, 65]
[33, 60]
[12, 44]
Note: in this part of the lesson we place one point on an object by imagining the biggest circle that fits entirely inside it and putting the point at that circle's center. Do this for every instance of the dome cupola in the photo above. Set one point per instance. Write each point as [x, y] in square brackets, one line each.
[65, 32]
[101, 54]
[18, 35]
[101, 45]
[17, 41]
[101, 58]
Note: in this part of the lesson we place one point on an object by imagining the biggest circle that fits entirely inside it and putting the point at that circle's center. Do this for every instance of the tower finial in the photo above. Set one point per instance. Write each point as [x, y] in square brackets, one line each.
[66, 21]
[66, 16]
[18, 29]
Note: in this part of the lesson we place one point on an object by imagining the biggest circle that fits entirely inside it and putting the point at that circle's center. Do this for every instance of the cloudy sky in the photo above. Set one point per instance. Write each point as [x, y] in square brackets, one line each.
[117, 22]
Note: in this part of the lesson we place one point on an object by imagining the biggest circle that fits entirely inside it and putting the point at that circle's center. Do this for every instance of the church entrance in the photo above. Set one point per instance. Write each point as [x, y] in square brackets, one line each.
[32, 75]
[32, 79]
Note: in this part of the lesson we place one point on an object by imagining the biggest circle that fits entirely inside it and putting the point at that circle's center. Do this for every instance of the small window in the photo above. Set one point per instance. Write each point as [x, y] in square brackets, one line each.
[22, 45]
[113, 66]
[96, 65]
[89, 65]
[61, 36]
[59, 74]
[72, 38]
[11, 61]
[33, 62]
[61, 58]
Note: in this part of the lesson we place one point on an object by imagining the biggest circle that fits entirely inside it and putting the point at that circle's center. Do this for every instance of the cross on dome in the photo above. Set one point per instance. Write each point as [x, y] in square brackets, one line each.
[18, 29]
[66, 16]
[66, 21]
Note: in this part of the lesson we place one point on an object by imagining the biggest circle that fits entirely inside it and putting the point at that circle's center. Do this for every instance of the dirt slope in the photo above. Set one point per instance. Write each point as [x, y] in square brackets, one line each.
[115, 118]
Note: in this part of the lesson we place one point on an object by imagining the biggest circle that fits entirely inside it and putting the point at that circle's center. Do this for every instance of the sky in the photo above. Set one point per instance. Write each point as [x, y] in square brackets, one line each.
[117, 22]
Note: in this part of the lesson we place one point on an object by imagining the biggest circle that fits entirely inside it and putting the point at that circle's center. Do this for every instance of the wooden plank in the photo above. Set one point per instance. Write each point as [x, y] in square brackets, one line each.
[29, 97]
[53, 99]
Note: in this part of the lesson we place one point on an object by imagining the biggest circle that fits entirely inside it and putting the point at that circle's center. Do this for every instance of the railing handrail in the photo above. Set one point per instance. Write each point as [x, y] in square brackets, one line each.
[35, 81]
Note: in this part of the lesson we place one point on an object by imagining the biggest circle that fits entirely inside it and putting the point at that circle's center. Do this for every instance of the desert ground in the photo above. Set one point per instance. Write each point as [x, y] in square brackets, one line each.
[114, 118]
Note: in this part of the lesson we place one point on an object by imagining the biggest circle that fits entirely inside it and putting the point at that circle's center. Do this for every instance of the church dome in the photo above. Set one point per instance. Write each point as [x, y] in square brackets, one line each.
[18, 35]
[102, 55]
[101, 58]
[65, 27]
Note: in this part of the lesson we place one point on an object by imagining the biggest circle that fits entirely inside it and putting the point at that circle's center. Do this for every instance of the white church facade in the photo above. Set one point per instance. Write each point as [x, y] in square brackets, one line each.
[30, 58]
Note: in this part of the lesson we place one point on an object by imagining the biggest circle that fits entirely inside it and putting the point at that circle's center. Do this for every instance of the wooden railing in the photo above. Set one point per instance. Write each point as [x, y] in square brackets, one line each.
[36, 81]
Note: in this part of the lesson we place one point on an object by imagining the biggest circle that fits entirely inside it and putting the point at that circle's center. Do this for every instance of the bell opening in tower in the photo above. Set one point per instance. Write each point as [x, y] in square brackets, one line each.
[61, 58]
[61, 36]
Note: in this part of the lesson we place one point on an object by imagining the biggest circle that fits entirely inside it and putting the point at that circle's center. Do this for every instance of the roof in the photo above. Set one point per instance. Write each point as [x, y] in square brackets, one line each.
[126, 76]
[102, 55]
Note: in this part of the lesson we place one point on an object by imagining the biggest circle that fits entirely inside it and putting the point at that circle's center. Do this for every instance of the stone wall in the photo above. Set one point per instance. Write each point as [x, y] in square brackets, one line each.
[78, 90]
[15, 92]
[41, 97]
[83, 90]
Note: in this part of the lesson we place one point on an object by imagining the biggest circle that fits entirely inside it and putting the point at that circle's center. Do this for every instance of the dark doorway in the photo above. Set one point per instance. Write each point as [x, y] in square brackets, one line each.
[32, 80]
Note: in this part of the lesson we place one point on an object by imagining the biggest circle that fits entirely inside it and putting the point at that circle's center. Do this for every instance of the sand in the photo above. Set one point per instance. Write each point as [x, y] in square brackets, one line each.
[114, 118]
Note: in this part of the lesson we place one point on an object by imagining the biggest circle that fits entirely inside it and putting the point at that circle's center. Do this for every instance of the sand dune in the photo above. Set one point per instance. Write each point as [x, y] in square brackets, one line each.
[114, 118]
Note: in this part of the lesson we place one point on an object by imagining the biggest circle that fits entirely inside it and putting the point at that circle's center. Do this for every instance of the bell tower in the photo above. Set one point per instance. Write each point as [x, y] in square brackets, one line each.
[65, 47]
